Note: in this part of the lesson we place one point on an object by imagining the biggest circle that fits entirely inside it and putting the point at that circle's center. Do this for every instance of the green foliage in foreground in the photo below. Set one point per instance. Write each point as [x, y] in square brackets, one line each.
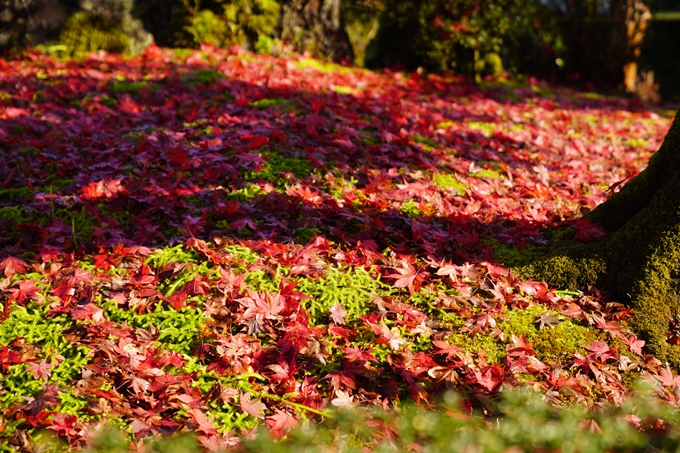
[519, 421]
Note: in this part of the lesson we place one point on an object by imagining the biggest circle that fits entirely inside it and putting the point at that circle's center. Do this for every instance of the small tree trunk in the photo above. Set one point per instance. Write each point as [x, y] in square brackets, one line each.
[316, 26]
[640, 262]
[637, 21]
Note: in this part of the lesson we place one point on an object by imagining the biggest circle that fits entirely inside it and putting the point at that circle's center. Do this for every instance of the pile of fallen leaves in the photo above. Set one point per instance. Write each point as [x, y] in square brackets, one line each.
[204, 240]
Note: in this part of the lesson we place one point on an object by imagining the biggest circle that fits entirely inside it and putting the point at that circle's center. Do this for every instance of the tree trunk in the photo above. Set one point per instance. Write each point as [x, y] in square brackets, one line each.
[32, 22]
[640, 262]
[638, 17]
[316, 26]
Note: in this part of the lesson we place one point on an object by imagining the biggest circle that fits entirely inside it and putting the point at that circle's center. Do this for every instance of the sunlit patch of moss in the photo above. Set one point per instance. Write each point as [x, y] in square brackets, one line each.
[263, 104]
[555, 344]
[448, 181]
[637, 142]
[411, 209]
[593, 96]
[239, 252]
[325, 67]
[18, 383]
[487, 173]
[261, 280]
[70, 404]
[179, 330]
[418, 343]
[340, 89]
[552, 344]
[248, 192]
[181, 53]
[31, 324]
[485, 128]
[177, 254]
[494, 350]
[352, 288]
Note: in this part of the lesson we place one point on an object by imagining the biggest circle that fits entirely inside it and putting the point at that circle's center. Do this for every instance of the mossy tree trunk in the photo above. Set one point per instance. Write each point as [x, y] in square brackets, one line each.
[316, 26]
[640, 262]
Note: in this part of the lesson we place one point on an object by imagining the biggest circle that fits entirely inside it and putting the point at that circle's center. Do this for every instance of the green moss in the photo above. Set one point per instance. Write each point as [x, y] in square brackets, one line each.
[448, 181]
[485, 128]
[247, 193]
[166, 255]
[494, 351]
[263, 104]
[262, 280]
[411, 209]
[179, 330]
[206, 27]
[278, 163]
[125, 86]
[242, 253]
[31, 324]
[13, 214]
[343, 89]
[324, 67]
[83, 33]
[425, 141]
[251, 20]
[556, 344]
[552, 345]
[202, 76]
[353, 288]
[487, 173]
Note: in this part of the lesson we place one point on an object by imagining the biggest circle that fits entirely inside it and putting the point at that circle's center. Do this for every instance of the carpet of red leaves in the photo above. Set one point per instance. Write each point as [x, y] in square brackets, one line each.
[273, 174]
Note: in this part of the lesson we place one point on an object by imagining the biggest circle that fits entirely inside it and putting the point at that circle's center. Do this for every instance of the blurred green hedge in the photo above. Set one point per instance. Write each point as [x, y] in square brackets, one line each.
[518, 421]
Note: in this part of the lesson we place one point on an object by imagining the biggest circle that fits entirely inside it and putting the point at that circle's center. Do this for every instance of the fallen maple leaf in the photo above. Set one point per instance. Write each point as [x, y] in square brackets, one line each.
[338, 314]
[11, 265]
[251, 406]
[547, 320]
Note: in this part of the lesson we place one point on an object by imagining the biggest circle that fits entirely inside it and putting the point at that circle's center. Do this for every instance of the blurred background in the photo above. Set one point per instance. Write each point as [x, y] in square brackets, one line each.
[619, 45]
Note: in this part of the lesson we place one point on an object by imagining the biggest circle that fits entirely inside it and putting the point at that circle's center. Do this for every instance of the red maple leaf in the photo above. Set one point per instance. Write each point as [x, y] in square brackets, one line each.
[26, 290]
[252, 407]
[40, 370]
[11, 265]
[262, 306]
[281, 423]
[633, 343]
[447, 349]
[407, 276]
[589, 232]
[489, 377]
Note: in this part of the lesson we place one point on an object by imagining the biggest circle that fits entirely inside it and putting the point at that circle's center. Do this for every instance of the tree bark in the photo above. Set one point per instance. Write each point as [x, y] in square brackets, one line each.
[316, 26]
[638, 17]
[32, 22]
[640, 262]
